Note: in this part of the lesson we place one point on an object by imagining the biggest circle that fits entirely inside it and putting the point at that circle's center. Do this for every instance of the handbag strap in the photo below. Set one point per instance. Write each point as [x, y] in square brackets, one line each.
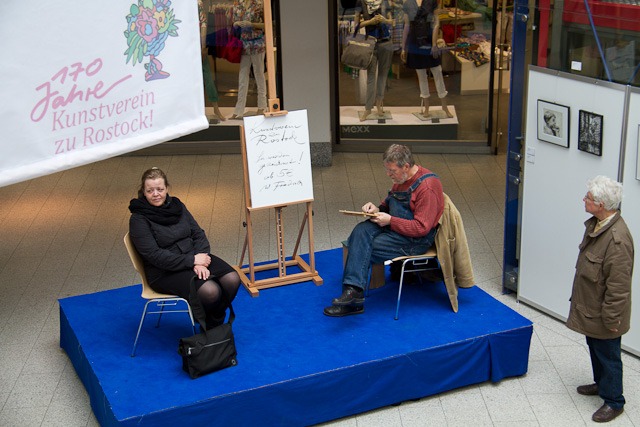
[344, 10]
[355, 32]
[232, 314]
[198, 309]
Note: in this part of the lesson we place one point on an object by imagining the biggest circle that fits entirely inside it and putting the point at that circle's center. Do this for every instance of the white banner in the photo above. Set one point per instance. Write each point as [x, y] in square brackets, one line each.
[84, 81]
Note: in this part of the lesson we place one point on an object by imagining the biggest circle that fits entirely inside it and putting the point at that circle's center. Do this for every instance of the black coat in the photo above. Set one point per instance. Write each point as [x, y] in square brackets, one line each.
[167, 247]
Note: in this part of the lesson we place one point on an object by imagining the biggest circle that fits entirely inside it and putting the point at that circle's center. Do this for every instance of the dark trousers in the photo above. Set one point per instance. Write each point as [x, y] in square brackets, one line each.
[606, 362]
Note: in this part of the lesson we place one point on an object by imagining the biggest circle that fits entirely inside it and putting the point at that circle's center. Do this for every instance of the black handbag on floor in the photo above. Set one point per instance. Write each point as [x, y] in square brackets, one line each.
[209, 351]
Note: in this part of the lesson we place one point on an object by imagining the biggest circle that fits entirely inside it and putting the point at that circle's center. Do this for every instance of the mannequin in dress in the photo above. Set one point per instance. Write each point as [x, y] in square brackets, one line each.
[248, 19]
[420, 58]
[375, 16]
[209, 84]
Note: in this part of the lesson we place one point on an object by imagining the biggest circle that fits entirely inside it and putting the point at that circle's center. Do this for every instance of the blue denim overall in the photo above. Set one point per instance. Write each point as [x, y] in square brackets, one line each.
[371, 244]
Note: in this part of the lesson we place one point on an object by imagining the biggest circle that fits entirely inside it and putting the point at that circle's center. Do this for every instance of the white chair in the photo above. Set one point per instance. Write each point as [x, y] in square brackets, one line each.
[161, 301]
[410, 264]
[415, 264]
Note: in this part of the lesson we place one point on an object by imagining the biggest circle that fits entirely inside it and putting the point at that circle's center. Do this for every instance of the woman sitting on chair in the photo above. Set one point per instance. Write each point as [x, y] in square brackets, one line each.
[174, 248]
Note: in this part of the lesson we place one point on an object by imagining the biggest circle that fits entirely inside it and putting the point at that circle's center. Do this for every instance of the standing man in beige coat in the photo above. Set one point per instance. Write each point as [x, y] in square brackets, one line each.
[601, 295]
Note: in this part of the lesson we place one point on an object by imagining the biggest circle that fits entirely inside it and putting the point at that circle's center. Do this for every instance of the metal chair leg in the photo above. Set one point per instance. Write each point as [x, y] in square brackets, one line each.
[193, 324]
[161, 305]
[400, 290]
[135, 343]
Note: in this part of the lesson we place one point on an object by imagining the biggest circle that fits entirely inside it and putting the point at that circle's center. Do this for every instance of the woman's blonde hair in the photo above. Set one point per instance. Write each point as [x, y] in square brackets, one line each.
[153, 173]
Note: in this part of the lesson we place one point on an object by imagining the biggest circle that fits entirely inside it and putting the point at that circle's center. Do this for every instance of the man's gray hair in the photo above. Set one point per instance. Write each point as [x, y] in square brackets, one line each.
[398, 154]
[606, 190]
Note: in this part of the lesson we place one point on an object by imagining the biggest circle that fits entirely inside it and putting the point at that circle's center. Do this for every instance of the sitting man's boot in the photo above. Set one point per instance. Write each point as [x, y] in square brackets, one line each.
[343, 310]
[350, 295]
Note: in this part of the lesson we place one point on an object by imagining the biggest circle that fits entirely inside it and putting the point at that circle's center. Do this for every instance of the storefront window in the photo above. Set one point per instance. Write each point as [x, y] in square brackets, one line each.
[599, 39]
[233, 43]
[430, 77]
[233, 51]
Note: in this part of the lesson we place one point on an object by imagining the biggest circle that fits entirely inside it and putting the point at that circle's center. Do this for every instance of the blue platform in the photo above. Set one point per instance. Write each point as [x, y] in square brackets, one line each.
[295, 365]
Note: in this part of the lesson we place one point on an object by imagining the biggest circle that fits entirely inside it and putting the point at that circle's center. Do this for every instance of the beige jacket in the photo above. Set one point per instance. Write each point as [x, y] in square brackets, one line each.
[453, 252]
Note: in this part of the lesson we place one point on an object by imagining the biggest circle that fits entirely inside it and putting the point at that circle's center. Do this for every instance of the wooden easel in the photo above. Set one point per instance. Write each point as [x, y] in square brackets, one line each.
[247, 274]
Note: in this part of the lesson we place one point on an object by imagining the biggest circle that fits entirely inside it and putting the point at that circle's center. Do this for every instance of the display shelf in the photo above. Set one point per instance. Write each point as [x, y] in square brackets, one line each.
[473, 80]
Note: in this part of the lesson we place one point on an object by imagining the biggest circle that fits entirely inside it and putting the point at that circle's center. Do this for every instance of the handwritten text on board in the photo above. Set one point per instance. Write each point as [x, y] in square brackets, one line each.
[278, 157]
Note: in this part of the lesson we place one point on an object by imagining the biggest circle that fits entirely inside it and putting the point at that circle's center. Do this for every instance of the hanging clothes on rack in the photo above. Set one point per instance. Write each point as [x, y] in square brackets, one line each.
[219, 24]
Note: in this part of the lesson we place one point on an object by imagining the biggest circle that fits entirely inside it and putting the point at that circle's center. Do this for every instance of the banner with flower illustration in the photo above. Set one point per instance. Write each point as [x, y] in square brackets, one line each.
[85, 81]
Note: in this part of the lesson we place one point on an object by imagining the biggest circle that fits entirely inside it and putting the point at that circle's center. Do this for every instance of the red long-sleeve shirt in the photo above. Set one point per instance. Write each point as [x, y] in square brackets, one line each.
[427, 205]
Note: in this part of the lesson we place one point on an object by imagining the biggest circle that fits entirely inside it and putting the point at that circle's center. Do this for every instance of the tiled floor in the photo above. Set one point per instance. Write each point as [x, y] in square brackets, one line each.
[61, 235]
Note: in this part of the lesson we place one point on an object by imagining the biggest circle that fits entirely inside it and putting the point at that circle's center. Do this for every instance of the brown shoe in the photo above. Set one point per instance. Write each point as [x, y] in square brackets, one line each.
[588, 390]
[606, 413]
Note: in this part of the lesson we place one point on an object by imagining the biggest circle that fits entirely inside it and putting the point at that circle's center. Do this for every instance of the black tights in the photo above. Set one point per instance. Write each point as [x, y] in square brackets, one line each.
[210, 294]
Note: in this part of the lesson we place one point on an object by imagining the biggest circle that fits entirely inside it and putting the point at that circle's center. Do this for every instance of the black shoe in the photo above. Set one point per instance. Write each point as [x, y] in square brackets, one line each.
[350, 295]
[343, 310]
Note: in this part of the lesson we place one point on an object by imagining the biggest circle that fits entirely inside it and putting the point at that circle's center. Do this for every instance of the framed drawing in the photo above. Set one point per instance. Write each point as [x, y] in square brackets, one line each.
[553, 123]
[590, 132]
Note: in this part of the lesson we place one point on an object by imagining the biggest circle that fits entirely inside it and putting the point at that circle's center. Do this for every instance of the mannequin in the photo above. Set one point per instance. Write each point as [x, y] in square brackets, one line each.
[377, 22]
[421, 59]
[209, 84]
[248, 17]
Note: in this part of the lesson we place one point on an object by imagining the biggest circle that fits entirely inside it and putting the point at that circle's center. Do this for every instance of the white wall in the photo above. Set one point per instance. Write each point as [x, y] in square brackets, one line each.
[631, 214]
[554, 183]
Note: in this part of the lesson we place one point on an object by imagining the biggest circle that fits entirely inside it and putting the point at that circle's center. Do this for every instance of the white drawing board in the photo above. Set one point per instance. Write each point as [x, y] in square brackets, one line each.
[554, 184]
[631, 214]
[278, 159]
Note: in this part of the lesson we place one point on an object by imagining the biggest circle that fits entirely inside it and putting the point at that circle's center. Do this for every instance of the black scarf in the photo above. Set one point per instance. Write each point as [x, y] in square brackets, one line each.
[167, 214]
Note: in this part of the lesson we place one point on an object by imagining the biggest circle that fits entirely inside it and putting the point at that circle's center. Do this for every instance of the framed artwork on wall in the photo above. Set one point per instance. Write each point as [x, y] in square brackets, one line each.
[553, 123]
[590, 132]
